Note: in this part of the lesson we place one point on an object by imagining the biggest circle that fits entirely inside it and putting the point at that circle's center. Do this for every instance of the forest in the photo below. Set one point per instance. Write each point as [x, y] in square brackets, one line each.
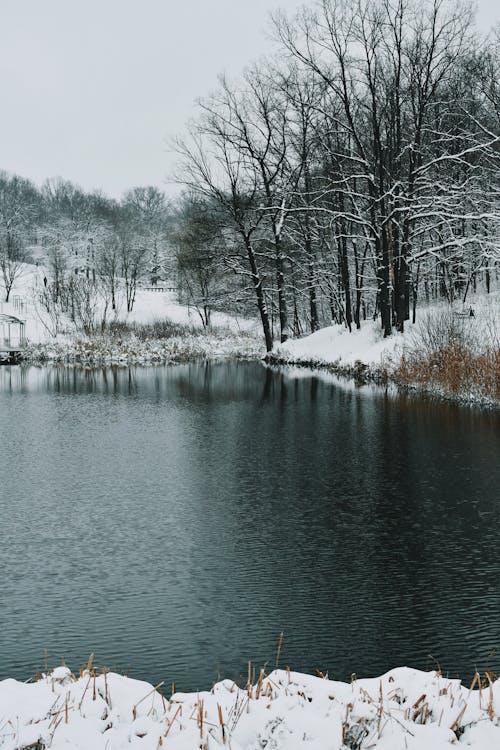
[353, 174]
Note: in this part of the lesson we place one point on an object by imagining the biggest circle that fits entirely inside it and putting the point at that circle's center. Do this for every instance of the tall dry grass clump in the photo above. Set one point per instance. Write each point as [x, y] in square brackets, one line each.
[456, 354]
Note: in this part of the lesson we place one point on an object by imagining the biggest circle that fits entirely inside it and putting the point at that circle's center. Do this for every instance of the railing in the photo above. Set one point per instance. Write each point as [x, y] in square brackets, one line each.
[16, 303]
[158, 288]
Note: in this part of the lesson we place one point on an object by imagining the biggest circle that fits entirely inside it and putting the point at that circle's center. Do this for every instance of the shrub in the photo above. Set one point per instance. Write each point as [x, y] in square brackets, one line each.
[446, 351]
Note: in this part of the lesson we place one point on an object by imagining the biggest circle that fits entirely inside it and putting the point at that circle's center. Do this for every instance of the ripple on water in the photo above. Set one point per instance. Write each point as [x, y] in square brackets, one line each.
[174, 520]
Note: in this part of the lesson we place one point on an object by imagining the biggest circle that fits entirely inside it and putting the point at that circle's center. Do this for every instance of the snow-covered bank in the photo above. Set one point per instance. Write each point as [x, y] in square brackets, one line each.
[158, 330]
[150, 306]
[447, 354]
[362, 356]
[334, 345]
[403, 709]
[108, 350]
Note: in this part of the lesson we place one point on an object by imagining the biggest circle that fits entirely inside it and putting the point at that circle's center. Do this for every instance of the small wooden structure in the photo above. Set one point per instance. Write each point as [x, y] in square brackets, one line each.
[159, 288]
[12, 338]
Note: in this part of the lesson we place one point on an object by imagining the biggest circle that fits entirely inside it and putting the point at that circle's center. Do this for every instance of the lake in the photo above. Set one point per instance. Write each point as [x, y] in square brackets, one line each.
[174, 520]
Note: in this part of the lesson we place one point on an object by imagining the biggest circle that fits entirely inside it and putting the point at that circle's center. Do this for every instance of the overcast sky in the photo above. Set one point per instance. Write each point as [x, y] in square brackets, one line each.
[90, 90]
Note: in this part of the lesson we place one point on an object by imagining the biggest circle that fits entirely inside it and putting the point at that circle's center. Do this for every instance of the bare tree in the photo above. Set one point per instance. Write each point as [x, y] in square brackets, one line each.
[215, 167]
[198, 242]
[389, 66]
[17, 209]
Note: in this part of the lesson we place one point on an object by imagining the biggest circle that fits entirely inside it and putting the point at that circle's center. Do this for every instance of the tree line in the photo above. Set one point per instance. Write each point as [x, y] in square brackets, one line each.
[94, 250]
[351, 175]
[355, 172]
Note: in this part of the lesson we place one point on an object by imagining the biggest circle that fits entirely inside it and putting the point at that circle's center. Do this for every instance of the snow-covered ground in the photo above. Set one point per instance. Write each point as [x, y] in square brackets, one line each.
[404, 709]
[149, 307]
[334, 345]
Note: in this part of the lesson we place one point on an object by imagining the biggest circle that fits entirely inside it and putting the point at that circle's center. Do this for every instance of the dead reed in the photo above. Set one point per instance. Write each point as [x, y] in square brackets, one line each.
[453, 368]
[216, 722]
[448, 353]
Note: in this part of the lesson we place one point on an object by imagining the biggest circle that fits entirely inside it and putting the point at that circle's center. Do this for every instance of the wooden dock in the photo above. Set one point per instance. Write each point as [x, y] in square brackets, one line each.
[10, 355]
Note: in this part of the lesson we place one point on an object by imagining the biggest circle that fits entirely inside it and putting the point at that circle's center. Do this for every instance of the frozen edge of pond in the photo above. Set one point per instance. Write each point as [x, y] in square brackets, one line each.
[405, 708]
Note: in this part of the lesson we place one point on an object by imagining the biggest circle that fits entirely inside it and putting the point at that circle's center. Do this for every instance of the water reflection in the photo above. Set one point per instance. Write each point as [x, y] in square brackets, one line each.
[178, 518]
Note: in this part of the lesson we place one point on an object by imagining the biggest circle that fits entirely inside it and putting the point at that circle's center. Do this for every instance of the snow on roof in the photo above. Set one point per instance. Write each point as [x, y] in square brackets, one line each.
[4, 318]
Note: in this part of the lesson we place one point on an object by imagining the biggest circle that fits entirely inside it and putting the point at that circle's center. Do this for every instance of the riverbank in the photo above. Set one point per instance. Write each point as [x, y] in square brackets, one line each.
[283, 710]
[158, 343]
[446, 355]
[453, 380]
[387, 375]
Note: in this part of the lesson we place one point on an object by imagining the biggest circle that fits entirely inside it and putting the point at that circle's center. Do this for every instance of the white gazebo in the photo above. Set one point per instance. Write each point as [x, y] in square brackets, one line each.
[12, 336]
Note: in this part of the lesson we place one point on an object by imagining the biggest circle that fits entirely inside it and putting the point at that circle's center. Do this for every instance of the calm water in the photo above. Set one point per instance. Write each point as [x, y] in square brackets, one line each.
[175, 520]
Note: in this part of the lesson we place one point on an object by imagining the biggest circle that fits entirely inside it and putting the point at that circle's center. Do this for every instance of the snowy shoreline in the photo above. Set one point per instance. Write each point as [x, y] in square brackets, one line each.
[107, 350]
[361, 373]
[161, 331]
[181, 350]
[100, 710]
[366, 357]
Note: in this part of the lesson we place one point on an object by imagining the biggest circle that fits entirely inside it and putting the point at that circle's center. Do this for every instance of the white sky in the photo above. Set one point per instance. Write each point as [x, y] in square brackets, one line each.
[91, 89]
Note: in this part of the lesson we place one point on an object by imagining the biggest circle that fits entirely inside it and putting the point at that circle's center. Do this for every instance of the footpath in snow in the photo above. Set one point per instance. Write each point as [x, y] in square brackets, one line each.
[403, 709]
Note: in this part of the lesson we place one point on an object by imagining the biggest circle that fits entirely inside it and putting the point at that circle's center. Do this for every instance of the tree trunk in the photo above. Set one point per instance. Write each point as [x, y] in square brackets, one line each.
[280, 279]
[259, 293]
[384, 283]
[346, 284]
[313, 297]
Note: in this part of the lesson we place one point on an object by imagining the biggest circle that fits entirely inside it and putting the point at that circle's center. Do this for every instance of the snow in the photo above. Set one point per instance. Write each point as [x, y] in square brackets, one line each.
[103, 350]
[230, 337]
[404, 708]
[149, 307]
[21, 303]
[335, 344]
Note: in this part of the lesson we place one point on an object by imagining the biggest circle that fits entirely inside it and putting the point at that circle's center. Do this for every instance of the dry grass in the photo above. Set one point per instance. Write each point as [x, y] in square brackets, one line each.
[144, 343]
[156, 330]
[448, 352]
[364, 716]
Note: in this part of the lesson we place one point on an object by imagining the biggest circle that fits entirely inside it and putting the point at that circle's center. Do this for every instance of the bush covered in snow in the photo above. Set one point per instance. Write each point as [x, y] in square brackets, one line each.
[160, 341]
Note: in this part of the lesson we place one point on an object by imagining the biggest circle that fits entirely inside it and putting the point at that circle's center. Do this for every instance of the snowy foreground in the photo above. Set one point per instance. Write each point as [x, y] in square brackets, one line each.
[405, 708]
